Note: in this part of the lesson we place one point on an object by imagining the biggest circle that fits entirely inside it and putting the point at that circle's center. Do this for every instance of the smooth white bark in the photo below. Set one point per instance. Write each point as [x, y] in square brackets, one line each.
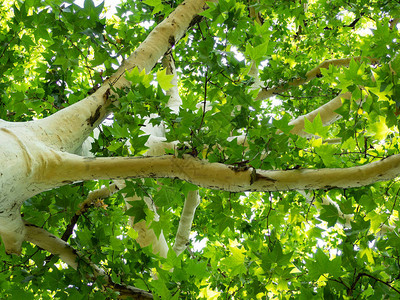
[326, 112]
[29, 150]
[157, 144]
[185, 224]
[71, 168]
[53, 244]
[146, 235]
[175, 101]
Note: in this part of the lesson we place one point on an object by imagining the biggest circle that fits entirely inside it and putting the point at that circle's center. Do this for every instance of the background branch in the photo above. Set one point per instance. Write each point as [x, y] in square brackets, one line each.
[342, 62]
[51, 243]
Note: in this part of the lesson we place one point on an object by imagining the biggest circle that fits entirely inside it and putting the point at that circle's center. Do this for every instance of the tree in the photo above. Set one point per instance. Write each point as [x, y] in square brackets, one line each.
[279, 120]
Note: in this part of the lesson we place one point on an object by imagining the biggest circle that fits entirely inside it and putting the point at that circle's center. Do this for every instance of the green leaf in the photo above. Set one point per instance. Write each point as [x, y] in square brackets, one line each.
[235, 262]
[315, 127]
[164, 80]
[275, 256]
[115, 145]
[166, 197]
[329, 213]
[196, 268]
[360, 225]
[379, 129]
[137, 77]
[315, 232]
[283, 123]
[326, 152]
[163, 225]
[211, 11]
[157, 4]
[368, 202]
[137, 210]
[224, 222]
[323, 265]
[161, 289]
[132, 233]
[346, 206]
[259, 52]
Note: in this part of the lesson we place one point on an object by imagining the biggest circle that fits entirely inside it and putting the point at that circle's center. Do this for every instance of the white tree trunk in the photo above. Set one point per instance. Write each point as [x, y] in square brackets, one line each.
[29, 150]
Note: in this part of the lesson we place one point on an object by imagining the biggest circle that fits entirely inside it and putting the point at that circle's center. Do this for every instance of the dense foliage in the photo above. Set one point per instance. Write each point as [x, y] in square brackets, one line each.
[279, 245]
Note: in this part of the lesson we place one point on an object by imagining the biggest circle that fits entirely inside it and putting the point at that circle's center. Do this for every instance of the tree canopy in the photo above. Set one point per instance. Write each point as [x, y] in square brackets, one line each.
[233, 149]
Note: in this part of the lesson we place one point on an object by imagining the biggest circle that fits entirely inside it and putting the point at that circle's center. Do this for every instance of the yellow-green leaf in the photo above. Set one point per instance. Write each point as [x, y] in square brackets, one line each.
[164, 80]
[379, 129]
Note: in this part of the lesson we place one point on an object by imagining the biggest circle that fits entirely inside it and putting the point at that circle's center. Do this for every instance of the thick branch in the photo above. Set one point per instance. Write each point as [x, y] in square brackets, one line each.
[57, 246]
[185, 224]
[67, 129]
[163, 37]
[51, 243]
[326, 111]
[71, 168]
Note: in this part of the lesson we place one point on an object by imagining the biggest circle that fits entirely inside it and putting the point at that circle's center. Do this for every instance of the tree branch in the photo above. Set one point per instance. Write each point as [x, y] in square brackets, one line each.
[146, 235]
[56, 246]
[175, 100]
[51, 243]
[68, 128]
[185, 224]
[381, 281]
[101, 193]
[326, 111]
[342, 62]
[156, 144]
[70, 168]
